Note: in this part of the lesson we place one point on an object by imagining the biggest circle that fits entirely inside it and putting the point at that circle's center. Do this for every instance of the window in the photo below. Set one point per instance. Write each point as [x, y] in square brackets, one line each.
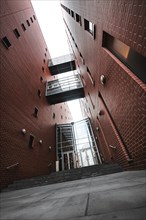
[34, 17]
[132, 59]
[41, 78]
[31, 19]
[61, 117]
[31, 141]
[23, 27]
[35, 112]
[45, 54]
[86, 24]
[76, 45]
[44, 60]
[88, 70]
[90, 77]
[90, 27]
[72, 13]
[53, 115]
[78, 19]
[91, 100]
[39, 93]
[27, 21]
[16, 33]
[83, 61]
[83, 81]
[6, 42]
[43, 69]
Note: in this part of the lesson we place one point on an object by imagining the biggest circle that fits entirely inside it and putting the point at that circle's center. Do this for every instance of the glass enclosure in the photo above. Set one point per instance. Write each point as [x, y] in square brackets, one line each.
[76, 145]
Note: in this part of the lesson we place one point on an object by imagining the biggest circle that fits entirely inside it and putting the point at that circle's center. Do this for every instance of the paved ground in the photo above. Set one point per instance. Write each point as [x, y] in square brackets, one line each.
[111, 197]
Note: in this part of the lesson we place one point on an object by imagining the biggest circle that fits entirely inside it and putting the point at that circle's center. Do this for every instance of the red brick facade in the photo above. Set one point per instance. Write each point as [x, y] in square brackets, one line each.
[24, 71]
[117, 108]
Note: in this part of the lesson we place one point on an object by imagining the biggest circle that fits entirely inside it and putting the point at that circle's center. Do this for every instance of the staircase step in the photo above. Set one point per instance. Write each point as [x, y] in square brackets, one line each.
[67, 175]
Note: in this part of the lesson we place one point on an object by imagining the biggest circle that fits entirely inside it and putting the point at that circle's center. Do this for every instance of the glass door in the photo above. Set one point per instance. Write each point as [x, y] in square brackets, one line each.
[68, 160]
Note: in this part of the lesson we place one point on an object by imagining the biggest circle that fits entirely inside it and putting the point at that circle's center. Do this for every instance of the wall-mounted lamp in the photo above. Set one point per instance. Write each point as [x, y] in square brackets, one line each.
[50, 147]
[102, 79]
[97, 128]
[23, 131]
[96, 138]
[40, 142]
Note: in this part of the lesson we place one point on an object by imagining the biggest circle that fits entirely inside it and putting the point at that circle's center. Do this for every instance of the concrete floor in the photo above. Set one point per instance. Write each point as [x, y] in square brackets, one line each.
[116, 196]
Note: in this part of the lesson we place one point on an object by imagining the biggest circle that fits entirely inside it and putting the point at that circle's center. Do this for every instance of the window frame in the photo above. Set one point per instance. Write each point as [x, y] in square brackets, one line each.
[87, 27]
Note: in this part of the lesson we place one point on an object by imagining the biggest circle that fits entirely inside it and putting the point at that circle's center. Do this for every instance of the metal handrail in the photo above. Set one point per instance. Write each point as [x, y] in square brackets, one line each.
[50, 164]
[73, 140]
[72, 145]
[75, 77]
[112, 147]
[64, 86]
[116, 132]
[74, 80]
[12, 166]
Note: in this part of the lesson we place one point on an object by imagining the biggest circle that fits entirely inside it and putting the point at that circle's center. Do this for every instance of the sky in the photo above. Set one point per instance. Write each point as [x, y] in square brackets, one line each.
[49, 16]
[50, 19]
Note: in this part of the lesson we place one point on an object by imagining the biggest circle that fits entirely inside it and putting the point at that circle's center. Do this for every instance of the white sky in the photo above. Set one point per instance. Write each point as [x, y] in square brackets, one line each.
[49, 16]
[50, 19]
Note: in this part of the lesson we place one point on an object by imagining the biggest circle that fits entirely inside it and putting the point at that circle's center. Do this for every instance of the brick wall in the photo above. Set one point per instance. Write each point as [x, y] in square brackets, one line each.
[123, 98]
[22, 65]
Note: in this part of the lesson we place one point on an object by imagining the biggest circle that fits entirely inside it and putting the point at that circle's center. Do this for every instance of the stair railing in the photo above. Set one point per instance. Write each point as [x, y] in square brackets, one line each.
[12, 166]
[50, 164]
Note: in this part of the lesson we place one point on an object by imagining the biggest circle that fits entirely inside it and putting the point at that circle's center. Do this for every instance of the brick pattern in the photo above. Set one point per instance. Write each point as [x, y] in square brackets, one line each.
[22, 65]
[124, 94]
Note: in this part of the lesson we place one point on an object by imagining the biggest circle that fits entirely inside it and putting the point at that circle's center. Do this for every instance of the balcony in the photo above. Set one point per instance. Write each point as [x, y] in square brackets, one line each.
[62, 64]
[64, 89]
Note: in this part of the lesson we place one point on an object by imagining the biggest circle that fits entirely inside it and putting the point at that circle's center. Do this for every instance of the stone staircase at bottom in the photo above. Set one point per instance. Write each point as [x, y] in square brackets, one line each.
[66, 175]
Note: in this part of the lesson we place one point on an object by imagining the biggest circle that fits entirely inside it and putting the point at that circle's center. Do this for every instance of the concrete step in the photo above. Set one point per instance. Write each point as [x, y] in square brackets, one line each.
[79, 171]
[67, 175]
[63, 176]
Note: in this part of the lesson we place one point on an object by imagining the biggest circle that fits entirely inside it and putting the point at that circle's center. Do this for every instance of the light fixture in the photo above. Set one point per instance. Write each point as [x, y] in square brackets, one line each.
[102, 79]
[97, 128]
[23, 131]
[40, 142]
[50, 147]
